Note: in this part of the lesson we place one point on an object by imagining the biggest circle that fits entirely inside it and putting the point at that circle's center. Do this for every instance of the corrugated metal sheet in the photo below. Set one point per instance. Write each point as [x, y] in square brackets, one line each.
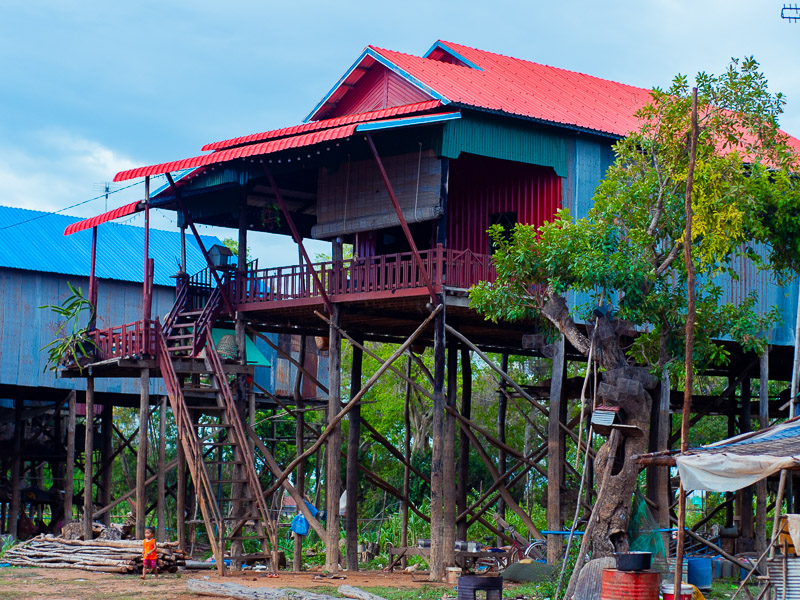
[378, 89]
[35, 241]
[239, 152]
[111, 215]
[394, 111]
[480, 187]
[25, 328]
[505, 140]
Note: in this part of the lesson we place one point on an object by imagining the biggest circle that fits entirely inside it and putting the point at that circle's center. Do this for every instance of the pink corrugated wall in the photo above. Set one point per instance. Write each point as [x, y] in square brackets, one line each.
[482, 186]
[380, 88]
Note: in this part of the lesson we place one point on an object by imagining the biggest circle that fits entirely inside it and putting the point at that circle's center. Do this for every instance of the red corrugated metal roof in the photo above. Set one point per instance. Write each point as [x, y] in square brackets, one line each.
[122, 211]
[325, 124]
[523, 88]
[240, 152]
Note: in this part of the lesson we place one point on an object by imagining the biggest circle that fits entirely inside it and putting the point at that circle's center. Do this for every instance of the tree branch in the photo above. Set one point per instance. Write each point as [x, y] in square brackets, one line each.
[673, 254]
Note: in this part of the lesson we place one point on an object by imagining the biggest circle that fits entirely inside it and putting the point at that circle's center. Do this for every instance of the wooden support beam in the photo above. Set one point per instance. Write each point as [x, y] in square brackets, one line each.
[409, 238]
[141, 453]
[161, 531]
[449, 460]
[69, 469]
[290, 358]
[763, 422]
[351, 485]
[376, 435]
[746, 541]
[299, 241]
[437, 451]
[88, 461]
[16, 469]
[357, 344]
[510, 502]
[333, 488]
[170, 465]
[180, 499]
[502, 400]
[357, 398]
[556, 454]
[463, 446]
[406, 459]
[107, 451]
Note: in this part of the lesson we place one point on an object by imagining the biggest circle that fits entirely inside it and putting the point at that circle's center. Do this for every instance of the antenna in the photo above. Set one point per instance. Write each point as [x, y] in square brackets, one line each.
[106, 188]
[791, 13]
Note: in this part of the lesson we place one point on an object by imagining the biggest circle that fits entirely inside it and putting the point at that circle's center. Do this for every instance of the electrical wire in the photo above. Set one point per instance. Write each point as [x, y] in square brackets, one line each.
[47, 214]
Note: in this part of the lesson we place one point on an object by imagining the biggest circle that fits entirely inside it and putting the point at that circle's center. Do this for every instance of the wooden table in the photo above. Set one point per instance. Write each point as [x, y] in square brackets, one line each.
[464, 559]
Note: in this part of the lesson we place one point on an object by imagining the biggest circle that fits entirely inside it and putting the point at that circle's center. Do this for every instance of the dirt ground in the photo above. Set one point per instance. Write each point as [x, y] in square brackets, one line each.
[70, 584]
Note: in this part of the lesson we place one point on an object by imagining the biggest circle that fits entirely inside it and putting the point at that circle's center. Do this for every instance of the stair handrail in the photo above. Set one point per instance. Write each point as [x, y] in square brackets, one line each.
[181, 296]
[214, 363]
[206, 320]
[191, 445]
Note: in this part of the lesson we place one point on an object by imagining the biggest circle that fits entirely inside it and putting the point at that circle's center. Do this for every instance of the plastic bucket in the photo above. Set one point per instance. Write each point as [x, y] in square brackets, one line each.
[668, 592]
[699, 572]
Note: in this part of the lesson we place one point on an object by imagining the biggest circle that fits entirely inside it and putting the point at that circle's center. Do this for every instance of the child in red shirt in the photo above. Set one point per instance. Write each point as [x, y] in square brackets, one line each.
[149, 555]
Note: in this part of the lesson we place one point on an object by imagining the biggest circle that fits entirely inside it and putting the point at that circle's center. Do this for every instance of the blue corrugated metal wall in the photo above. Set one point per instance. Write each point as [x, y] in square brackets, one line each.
[25, 328]
[589, 158]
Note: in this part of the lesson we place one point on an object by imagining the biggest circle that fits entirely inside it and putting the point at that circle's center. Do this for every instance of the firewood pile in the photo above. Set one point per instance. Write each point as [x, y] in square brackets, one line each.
[107, 556]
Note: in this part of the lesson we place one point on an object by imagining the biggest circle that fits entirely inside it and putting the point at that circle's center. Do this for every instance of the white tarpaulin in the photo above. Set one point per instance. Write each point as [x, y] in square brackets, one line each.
[740, 461]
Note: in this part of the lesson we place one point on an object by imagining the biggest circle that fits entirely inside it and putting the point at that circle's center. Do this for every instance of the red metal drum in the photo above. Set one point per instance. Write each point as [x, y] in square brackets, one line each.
[630, 585]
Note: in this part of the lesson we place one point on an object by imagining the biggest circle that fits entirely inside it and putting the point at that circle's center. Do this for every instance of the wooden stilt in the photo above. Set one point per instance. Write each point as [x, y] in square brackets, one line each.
[437, 454]
[463, 446]
[556, 453]
[763, 421]
[449, 462]
[501, 431]
[407, 455]
[351, 484]
[16, 468]
[141, 452]
[107, 450]
[332, 471]
[180, 500]
[161, 531]
[88, 461]
[69, 469]
[299, 443]
[746, 541]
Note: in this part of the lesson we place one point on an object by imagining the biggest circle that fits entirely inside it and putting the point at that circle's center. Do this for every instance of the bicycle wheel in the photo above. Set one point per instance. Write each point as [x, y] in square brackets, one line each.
[537, 550]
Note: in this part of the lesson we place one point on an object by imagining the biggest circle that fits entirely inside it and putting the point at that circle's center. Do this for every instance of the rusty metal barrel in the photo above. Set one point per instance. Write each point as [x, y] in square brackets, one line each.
[630, 585]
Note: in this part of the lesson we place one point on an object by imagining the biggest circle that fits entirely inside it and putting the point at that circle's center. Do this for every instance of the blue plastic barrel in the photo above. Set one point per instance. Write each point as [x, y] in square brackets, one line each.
[699, 572]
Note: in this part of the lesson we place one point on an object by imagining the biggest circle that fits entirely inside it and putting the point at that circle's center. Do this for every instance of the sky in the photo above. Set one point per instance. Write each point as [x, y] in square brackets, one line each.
[94, 87]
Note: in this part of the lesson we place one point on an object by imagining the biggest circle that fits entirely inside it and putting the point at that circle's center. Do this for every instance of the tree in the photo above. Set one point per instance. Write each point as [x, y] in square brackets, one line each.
[626, 254]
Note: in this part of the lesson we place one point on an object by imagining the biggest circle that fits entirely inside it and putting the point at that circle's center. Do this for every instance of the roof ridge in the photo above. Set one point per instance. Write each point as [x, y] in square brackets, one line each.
[539, 64]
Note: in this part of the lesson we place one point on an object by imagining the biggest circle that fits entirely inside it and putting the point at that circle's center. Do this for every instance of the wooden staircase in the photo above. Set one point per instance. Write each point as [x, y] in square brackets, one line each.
[214, 438]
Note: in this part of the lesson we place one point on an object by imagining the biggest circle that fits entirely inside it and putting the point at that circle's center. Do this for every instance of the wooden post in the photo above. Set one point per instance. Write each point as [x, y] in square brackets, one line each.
[763, 422]
[299, 444]
[106, 425]
[746, 542]
[180, 500]
[93, 281]
[437, 454]
[501, 433]
[663, 492]
[88, 461]
[407, 455]
[449, 461]
[351, 485]
[463, 447]
[332, 471]
[69, 469]
[16, 468]
[161, 531]
[556, 454]
[141, 452]
[147, 308]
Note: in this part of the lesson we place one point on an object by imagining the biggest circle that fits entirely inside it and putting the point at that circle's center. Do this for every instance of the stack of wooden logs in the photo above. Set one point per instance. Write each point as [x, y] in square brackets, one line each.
[120, 556]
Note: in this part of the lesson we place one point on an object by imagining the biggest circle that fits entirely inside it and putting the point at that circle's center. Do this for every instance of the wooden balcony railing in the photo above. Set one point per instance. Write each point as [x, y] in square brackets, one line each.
[138, 339]
[385, 273]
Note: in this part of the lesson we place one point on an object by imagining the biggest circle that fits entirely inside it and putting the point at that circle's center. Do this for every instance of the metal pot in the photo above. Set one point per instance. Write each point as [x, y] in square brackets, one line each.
[633, 561]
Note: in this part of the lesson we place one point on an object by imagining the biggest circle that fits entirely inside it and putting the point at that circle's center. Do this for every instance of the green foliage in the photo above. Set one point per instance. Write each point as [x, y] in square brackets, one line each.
[628, 250]
[71, 342]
